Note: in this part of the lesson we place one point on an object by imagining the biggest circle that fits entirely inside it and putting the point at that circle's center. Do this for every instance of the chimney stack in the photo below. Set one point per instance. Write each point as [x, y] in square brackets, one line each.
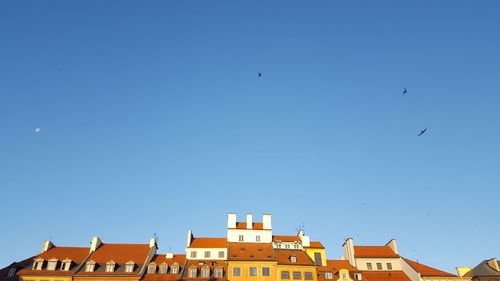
[47, 245]
[266, 221]
[170, 255]
[349, 251]
[152, 242]
[231, 220]
[189, 238]
[392, 244]
[249, 221]
[96, 242]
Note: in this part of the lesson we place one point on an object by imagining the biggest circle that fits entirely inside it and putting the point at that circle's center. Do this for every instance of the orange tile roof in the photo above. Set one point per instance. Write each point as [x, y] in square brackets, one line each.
[208, 243]
[336, 265]
[425, 270]
[374, 251]
[201, 263]
[255, 225]
[315, 244]
[75, 254]
[121, 253]
[283, 257]
[160, 259]
[251, 252]
[385, 276]
[285, 238]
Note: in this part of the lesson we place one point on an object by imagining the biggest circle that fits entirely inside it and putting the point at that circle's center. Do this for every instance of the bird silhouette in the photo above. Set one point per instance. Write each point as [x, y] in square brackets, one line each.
[404, 91]
[422, 132]
[259, 74]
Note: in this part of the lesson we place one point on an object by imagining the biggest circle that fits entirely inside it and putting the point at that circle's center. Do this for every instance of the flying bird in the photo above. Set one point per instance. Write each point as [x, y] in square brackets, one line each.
[404, 91]
[259, 74]
[422, 132]
[37, 130]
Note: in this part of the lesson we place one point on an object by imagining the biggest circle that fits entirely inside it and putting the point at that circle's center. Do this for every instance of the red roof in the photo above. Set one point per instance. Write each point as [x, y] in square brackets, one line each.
[160, 259]
[255, 225]
[285, 238]
[284, 258]
[374, 252]
[208, 243]
[121, 253]
[336, 265]
[199, 264]
[385, 276]
[251, 252]
[316, 244]
[75, 254]
[425, 270]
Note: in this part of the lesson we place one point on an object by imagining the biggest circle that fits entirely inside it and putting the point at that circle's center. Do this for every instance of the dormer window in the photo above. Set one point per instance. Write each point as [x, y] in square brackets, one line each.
[358, 276]
[12, 272]
[52, 264]
[205, 271]
[110, 266]
[174, 268]
[163, 268]
[66, 264]
[219, 272]
[129, 266]
[293, 258]
[89, 266]
[38, 264]
[329, 275]
[192, 271]
[152, 268]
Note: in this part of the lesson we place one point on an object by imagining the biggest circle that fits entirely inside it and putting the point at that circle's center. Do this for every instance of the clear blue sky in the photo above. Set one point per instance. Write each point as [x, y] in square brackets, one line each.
[153, 120]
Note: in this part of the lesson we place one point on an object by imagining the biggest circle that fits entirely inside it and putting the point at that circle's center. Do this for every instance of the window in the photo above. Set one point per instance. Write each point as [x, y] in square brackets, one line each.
[240, 238]
[164, 268]
[152, 268]
[266, 271]
[219, 272]
[344, 276]
[253, 271]
[379, 266]
[285, 275]
[236, 271]
[389, 266]
[308, 275]
[52, 264]
[205, 272]
[193, 254]
[174, 268]
[369, 266]
[89, 267]
[296, 246]
[207, 254]
[12, 272]
[257, 238]
[317, 259]
[297, 275]
[110, 266]
[287, 246]
[358, 276]
[66, 264]
[192, 272]
[293, 258]
[328, 275]
[129, 266]
[38, 264]
[221, 254]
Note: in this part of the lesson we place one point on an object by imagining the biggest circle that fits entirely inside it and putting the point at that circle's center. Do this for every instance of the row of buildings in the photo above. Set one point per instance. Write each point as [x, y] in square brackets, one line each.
[249, 252]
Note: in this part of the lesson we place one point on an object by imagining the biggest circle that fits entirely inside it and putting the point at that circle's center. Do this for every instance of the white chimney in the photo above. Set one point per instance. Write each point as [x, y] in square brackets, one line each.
[170, 255]
[306, 241]
[189, 238]
[47, 245]
[349, 251]
[266, 220]
[392, 244]
[152, 242]
[249, 221]
[231, 220]
[96, 242]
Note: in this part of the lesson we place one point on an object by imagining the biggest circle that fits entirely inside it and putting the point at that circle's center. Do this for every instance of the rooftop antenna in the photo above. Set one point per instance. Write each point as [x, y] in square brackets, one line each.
[300, 227]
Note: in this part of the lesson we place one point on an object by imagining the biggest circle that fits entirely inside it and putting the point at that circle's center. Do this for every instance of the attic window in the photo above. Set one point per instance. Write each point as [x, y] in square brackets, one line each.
[110, 266]
[219, 272]
[259, 249]
[293, 258]
[89, 266]
[12, 272]
[205, 271]
[38, 264]
[175, 268]
[328, 275]
[296, 246]
[358, 276]
[252, 256]
[129, 266]
[152, 268]
[163, 268]
[52, 264]
[192, 272]
[66, 264]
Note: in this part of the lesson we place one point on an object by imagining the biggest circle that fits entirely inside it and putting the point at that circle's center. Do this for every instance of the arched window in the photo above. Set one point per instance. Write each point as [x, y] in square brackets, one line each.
[219, 271]
[205, 271]
[174, 269]
[163, 268]
[89, 266]
[192, 271]
[129, 266]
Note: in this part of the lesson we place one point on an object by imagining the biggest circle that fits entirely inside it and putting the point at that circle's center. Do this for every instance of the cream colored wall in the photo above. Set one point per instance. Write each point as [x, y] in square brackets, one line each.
[200, 255]
[266, 236]
[396, 263]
